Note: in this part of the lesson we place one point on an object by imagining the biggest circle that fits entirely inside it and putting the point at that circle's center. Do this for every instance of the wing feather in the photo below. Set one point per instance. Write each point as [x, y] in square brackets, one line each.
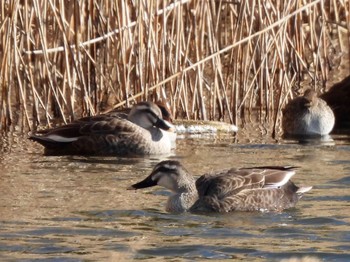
[242, 189]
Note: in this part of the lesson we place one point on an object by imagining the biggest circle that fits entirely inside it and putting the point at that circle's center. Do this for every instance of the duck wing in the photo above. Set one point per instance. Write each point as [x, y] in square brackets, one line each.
[88, 135]
[74, 129]
[275, 176]
[239, 189]
[228, 182]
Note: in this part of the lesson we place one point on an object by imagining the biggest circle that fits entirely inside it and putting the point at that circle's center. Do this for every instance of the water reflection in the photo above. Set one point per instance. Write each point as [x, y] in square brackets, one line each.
[78, 208]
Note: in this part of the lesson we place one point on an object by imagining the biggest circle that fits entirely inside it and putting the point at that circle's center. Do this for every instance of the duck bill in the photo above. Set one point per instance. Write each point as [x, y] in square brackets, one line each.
[165, 125]
[148, 182]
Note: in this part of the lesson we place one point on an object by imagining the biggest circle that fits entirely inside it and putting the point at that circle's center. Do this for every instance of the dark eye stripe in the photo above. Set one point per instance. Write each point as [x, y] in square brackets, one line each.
[167, 166]
[152, 116]
[166, 169]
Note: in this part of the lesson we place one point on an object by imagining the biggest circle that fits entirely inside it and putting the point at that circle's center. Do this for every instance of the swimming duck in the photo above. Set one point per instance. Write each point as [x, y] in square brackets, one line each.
[141, 131]
[308, 115]
[236, 189]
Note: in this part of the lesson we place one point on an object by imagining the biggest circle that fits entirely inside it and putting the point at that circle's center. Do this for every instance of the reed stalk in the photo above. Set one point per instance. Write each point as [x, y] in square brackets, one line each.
[210, 60]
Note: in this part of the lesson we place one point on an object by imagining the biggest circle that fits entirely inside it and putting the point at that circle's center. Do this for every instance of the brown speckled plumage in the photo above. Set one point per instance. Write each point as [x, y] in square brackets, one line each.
[244, 189]
[137, 132]
[308, 115]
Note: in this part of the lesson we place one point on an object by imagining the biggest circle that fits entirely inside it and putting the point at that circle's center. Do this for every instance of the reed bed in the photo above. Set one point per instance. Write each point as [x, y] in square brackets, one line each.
[209, 59]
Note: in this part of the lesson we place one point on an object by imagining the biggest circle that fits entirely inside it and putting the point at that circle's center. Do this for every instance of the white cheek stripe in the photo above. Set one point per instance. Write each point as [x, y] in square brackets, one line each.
[62, 138]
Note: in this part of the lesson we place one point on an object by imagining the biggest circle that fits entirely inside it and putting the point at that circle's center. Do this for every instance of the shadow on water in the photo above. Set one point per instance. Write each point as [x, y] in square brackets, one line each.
[75, 208]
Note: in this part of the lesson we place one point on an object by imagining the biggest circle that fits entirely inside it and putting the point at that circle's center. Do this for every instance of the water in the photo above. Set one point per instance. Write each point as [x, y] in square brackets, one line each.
[78, 208]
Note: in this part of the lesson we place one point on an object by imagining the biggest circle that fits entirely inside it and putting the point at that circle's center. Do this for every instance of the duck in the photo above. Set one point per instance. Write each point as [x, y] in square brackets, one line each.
[337, 97]
[139, 131]
[266, 188]
[308, 115]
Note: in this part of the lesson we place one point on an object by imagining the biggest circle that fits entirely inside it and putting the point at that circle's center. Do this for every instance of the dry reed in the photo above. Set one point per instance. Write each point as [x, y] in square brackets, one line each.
[211, 60]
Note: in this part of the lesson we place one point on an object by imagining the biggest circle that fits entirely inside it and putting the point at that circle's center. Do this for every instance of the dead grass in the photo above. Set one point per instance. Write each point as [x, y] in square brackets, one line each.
[211, 60]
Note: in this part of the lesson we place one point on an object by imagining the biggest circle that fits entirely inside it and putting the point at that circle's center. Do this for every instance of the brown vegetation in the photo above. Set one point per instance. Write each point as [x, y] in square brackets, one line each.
[210, 59]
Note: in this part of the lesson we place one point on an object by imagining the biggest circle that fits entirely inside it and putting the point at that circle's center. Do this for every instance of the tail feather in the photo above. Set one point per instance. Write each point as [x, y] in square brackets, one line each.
[51, 142]
[278, 179]
[301, 190]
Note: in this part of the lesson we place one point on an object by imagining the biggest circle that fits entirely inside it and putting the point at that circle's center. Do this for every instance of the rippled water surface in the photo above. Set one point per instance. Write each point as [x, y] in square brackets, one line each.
[78, 208]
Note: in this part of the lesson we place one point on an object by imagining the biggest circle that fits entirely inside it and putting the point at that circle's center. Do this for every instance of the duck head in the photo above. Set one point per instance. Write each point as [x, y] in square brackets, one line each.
[310, 98]
[148, 115]
[169, 174]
